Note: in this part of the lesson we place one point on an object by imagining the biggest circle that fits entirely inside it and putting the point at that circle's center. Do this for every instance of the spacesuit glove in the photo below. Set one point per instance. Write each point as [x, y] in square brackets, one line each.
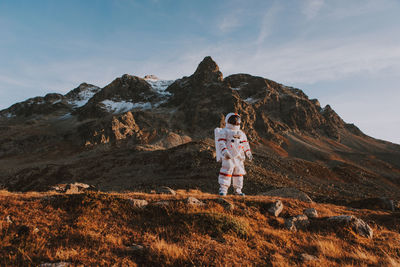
[249, 155]
[227, 155]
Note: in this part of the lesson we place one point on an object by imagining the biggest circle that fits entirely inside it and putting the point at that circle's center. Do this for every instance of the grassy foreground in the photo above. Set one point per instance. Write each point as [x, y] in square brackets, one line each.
[102, 229]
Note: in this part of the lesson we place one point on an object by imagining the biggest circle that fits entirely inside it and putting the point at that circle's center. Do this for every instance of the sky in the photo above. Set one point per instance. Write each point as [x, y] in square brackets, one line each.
[345, 53]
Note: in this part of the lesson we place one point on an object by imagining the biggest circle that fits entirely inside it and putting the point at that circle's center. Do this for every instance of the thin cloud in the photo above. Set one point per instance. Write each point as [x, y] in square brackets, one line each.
[230, 22]
[267, 24]
[311, 8]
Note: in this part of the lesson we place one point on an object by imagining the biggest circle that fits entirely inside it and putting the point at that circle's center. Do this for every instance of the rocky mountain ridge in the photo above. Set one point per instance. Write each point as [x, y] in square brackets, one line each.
[142, 132]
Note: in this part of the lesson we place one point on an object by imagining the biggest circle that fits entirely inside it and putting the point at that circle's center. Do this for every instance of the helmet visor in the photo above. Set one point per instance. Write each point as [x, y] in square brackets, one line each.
[234, 120]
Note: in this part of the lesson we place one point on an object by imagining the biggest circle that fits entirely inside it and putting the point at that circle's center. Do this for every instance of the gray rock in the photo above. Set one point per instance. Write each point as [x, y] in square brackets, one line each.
[311, 213]
[8, 219]
[297, 222]
[138, 203]
[229, 206]
[358, 225]
[134, 248]
[194, 201]
[276, 208]
[308, 257]
[74, 188]
[165, 190]
[288, 192]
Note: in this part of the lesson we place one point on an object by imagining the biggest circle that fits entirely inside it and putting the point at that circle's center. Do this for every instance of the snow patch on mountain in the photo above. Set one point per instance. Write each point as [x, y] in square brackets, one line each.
[158, 85]
[251, 100]
[122, 106]
[84, 96]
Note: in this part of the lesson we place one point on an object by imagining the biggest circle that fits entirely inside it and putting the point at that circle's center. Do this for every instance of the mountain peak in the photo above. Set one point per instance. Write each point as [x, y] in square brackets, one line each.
[151, 77]
[208, 71]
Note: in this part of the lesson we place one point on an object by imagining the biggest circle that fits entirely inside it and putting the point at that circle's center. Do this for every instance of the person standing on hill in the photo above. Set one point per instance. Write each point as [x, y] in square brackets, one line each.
[231, 149]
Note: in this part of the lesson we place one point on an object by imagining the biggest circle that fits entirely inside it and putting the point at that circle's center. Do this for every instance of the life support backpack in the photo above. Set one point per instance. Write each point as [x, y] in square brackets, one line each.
[218, 133]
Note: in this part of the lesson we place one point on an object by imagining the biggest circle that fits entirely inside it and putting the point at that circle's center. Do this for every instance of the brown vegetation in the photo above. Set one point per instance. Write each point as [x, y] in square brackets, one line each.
[100, 229]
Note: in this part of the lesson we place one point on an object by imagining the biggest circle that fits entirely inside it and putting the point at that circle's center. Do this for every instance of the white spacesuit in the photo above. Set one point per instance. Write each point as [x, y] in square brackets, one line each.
[231, 148]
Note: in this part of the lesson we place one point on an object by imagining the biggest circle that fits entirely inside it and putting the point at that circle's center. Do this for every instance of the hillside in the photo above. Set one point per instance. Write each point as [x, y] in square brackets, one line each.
[136, 229]
[140, 133]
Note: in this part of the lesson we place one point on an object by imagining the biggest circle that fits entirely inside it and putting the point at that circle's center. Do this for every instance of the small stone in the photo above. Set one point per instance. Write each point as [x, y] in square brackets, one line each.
[194, 201]
[276, 208]
[36, 230]
[8, 219]
[165, 190]
[358, 225]
[134, 248]
[229, 206]
[308, 257]
[297, 222]
[311, 213]
[139, 203]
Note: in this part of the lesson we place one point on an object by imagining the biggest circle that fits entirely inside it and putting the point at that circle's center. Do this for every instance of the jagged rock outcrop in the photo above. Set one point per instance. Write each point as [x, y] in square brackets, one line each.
[207, 72]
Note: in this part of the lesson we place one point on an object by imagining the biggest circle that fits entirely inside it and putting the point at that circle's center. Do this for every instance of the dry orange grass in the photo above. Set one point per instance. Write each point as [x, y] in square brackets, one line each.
[98, 229]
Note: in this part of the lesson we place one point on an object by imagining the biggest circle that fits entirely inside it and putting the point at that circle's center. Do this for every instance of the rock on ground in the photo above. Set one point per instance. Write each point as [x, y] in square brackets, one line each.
[194, 201]
[139, 203]
[165, 190]
[134, 248]
[74, 188]
[297, 222]
[311, 213]
[306, 257]
[288, 192]
[358, 225]
[276, 208]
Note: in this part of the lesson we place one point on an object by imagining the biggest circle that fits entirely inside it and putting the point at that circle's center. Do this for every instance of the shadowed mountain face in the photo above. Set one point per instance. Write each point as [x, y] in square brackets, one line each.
[138, 133]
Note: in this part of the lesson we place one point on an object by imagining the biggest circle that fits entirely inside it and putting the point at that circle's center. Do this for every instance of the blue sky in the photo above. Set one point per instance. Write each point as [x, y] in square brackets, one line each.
[344, 53]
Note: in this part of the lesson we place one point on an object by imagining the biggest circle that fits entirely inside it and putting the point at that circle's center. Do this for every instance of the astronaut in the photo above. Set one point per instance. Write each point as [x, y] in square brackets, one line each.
[231, 149]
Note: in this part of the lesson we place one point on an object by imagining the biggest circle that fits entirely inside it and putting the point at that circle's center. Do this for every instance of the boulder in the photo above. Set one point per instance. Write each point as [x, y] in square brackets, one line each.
[74, 188]
[194, 201]
[358, 225]
[276, 208]
[165, 190]
[288, 192]
[134, 248]
[311, 213]
[139, 203]
[297, 222]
